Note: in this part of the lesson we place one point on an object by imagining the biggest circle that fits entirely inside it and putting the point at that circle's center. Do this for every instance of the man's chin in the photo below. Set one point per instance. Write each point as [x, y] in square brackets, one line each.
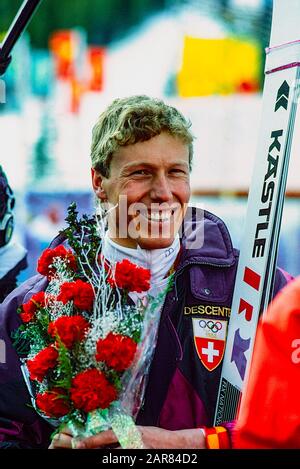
[154, 243]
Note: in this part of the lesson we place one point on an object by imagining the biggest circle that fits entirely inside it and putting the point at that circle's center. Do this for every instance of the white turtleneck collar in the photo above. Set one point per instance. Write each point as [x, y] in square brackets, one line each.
[158, 261]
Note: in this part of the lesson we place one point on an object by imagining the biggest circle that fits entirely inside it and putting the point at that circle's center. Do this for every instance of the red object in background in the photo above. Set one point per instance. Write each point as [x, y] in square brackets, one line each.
[269, 416]
[96, 57]
[247, 87]
[77, 90]
[62, 45]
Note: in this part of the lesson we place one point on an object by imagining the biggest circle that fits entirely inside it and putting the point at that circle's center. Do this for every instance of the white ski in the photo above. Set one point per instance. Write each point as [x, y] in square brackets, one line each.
[257, 262]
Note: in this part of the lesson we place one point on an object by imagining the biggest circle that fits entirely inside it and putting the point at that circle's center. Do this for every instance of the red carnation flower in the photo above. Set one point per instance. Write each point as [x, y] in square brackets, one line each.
[29, 309]
[130, 277]
[53, 403]
[90, 390]
[69, 329]
[81, 293]
[116, 350]
[45, 262]
[45, 360]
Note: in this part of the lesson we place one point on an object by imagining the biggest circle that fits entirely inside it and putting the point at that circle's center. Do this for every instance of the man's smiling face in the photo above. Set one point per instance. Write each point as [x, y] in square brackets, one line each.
[149, 181]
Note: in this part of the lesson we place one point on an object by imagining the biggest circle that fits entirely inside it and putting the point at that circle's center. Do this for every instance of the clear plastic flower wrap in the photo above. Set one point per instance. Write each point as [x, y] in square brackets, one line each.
[90, 346]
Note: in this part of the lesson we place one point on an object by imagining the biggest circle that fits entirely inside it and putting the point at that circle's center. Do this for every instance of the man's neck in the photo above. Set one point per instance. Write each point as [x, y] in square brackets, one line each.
[158, 261]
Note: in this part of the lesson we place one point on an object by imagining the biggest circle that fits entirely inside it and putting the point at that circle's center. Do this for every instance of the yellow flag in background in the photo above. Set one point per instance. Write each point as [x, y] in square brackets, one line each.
[218, 66]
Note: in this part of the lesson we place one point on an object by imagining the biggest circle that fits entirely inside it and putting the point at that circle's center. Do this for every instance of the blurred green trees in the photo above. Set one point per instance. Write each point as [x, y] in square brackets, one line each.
[104, 20]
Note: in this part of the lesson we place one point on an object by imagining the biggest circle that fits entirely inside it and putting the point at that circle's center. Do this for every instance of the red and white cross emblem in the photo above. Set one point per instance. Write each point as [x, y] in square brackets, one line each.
[210, 338]
[210, 352]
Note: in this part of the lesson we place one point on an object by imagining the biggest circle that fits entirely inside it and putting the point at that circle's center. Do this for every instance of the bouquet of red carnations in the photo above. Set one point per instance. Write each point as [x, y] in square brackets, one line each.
[90, 347]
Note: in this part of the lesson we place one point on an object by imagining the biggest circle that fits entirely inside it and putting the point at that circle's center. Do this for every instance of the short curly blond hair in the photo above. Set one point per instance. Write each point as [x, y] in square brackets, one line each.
[131, 120]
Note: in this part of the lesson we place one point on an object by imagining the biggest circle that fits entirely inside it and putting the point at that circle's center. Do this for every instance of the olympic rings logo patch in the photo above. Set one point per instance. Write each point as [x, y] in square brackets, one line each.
[214, 326]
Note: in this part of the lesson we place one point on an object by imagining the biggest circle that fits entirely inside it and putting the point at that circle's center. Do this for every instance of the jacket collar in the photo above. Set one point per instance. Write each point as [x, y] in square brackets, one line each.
[205, 240]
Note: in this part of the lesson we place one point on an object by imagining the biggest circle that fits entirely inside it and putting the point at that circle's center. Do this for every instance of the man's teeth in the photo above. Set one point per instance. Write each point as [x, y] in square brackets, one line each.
[159, 216]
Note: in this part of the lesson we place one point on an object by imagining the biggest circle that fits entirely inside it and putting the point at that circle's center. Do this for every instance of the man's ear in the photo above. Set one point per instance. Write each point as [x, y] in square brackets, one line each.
[97, 182]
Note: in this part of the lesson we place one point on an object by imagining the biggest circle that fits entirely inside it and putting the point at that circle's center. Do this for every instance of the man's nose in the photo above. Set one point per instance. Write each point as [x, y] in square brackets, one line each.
[160, 189]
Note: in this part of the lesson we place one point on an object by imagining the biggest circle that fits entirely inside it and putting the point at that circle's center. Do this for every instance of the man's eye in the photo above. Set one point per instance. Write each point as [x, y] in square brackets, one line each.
[142, 172]
[177, 171]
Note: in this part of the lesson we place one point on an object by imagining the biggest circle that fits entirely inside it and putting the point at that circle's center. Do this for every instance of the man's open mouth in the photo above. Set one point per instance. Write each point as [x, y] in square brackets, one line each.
[160, 216]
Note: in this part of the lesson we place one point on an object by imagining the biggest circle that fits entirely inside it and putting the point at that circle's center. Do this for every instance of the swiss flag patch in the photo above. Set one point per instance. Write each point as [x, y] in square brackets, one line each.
[210, 339]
